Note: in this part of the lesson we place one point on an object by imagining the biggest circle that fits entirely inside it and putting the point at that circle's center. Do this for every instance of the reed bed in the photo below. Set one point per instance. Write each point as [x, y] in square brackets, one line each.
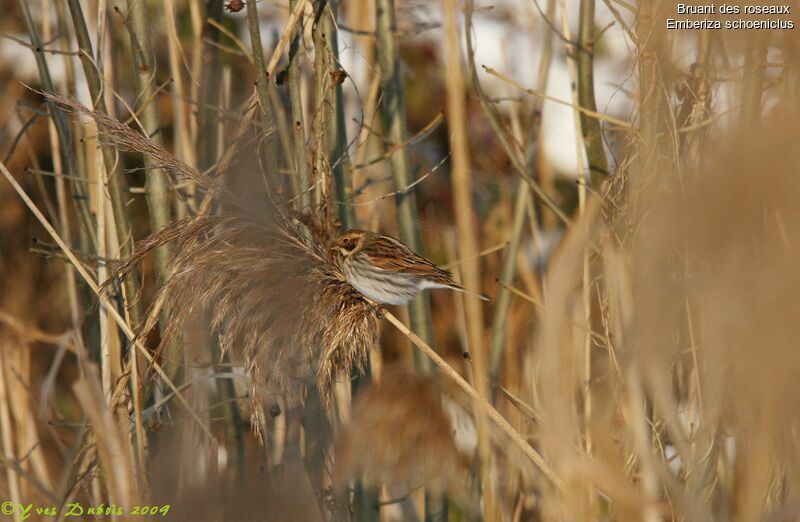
[178, 338]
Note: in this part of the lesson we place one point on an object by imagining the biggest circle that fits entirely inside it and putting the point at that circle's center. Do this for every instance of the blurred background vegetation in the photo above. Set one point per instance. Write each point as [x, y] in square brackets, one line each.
[627, 196]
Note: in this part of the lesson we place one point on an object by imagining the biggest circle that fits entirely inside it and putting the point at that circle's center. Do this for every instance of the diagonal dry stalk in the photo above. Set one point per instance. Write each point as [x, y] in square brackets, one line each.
[466, 233]
[287, 36]
[594, 114]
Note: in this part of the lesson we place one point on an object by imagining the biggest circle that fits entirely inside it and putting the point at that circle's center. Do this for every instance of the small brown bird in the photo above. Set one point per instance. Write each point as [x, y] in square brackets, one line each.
[388, 272]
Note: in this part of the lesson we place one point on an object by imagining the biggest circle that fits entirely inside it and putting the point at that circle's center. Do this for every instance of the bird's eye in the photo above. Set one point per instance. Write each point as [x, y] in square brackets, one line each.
[345, 241]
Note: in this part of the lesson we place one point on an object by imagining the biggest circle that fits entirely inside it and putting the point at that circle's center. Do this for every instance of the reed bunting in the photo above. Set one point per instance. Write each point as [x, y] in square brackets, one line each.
[388, 272]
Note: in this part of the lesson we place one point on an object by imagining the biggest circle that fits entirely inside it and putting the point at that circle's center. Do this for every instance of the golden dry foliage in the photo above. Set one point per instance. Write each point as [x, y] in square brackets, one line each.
[724, 313]
[650, 361]
[693, 354]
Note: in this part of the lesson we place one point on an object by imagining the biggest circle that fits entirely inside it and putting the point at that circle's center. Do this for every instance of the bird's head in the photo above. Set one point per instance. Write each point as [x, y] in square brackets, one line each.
[349, 242]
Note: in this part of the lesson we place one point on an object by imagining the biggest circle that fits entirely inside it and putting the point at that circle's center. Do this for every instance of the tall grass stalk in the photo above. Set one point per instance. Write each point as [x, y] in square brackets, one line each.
[115, 176]
[206, 66]
[61, 195]
[467, 241]
[298, 120]
[6, 436]
[336, 131]
[590, 127]
[157, 190]
[181, 109]
[270, 166]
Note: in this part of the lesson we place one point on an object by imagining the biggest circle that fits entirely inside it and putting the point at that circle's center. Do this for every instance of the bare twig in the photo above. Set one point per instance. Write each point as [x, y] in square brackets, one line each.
[603, 117]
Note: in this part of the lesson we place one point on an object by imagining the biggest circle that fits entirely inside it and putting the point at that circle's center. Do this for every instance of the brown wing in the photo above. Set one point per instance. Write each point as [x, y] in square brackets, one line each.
[390, 254]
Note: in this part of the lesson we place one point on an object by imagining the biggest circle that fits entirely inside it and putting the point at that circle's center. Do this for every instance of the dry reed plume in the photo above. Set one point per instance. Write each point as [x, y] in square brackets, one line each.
[273, 292]
[268, 282]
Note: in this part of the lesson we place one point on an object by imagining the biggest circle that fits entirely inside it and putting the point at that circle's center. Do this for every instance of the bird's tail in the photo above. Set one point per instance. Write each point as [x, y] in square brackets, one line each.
[460, 288]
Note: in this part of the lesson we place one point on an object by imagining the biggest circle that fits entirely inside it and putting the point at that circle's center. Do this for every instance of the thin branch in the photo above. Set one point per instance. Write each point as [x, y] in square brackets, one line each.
[594, 114]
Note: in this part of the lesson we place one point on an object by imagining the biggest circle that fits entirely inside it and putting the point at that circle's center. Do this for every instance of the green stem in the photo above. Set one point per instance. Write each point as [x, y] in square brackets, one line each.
[590, 127]
[157, 190]
[336, 132]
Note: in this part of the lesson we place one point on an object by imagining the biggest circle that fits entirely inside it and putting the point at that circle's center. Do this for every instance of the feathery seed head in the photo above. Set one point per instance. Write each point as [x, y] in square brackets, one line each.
[273, 293]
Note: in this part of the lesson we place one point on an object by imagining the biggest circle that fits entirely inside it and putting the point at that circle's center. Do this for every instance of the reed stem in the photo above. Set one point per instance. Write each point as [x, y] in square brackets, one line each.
[116, 180]
[504, 296]
[590, 127]
[298, 117]
[65, 136]
[270, 166]
[394, 118]
[466, 235]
